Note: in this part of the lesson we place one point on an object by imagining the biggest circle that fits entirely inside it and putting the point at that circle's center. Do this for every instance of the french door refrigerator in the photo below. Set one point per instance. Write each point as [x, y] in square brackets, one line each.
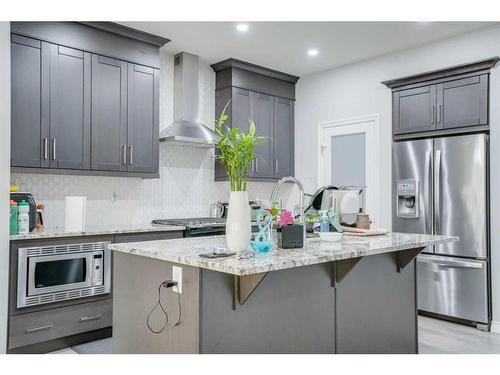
[440, 186]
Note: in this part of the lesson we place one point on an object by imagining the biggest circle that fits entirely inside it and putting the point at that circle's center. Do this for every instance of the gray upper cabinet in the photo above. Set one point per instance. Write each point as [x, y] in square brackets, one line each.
[283, 138]
[462, 102]
[76, 111]
[266, 97]
[414, 110]
[143, 119]
[70, 84]
[443, 101]
[29, 134]
[263, 112]
[109, 114]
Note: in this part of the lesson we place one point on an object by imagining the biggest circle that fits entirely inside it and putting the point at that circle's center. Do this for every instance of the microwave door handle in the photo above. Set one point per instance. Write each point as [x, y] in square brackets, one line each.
[437, 193]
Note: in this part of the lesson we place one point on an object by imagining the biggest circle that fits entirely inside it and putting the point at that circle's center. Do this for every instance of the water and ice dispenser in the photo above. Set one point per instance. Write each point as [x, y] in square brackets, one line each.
[407, 199]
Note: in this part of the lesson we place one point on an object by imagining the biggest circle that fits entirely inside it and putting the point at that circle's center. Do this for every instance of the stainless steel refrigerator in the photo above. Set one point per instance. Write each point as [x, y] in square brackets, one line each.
[440, 186]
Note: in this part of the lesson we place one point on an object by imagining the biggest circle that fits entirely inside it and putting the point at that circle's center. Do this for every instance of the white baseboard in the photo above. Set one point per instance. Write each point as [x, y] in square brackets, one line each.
[495, 326]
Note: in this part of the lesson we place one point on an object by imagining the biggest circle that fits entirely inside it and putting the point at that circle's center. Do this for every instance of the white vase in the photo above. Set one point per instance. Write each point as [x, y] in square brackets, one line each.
[238, 224]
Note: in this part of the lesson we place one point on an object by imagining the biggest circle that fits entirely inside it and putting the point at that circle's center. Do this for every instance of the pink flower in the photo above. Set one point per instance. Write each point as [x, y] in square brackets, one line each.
[286, 217]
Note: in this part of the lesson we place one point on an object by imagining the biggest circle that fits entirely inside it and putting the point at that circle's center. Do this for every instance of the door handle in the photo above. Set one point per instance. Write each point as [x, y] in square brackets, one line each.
[448, 263]
[256, 165]
[53, 149]
[433, 114]
[90, 318]
[437, 193]
[38, 329]
[252, 168]
[131, 154]
[45, 148]
[124, 155]
[276, 165]
[439, 114]
[427, 191]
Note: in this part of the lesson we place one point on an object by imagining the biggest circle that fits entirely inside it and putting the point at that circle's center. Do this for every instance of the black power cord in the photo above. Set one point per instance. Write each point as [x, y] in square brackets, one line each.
[165, 284]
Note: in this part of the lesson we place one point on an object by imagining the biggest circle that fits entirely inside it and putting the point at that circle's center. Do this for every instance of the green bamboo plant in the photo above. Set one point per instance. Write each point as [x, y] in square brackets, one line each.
[236, 150]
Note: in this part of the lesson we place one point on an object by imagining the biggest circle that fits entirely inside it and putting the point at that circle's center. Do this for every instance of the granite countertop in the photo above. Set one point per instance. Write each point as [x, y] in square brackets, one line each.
[97, 230]
[185, 251]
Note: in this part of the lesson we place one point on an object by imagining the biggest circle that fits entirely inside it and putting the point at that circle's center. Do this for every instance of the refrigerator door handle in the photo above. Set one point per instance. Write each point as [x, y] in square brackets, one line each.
[437, 193]
[427, 191]
[445, 262]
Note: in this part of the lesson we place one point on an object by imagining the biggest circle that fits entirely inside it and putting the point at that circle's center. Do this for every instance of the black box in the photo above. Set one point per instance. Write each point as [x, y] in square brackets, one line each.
[291, 236]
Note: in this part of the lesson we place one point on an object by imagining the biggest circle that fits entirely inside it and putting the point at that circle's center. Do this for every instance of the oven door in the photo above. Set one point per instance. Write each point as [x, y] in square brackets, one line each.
[57, 273]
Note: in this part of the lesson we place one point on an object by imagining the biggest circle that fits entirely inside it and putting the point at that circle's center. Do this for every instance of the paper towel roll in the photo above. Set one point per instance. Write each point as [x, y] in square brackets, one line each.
[74, 214]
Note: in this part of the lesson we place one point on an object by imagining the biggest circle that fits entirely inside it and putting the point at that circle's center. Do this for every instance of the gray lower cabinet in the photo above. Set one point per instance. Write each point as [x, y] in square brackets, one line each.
[29, 134]
[32, 328]
[70, 83]
[143, 118]
[283, 138]
[462, 102]
[109, 114]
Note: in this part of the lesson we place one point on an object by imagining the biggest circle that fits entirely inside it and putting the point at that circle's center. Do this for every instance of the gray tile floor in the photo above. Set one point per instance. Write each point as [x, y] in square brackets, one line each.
[435, 337]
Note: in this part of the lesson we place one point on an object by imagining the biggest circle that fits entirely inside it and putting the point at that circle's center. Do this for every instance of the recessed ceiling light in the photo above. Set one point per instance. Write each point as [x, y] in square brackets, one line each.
[242, 27]
[312, 52]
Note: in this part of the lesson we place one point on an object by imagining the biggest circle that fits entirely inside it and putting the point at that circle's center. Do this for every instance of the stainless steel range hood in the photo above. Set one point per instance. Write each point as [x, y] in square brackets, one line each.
[186, 130]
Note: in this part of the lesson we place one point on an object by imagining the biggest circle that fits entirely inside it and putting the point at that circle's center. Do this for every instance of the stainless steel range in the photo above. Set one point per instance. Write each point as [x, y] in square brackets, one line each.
[197, 227]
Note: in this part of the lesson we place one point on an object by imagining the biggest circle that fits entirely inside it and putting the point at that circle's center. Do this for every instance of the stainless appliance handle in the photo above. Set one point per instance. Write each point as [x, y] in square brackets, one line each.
[53, 149]
[449, 263]
[131, 152]
[437, 192]
[124, 154]
[427, 191]
[90, 318]
[38, 329]
[45, 148]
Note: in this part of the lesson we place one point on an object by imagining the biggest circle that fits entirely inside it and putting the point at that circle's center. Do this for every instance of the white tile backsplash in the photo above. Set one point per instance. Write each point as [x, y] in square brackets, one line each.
[186, 186]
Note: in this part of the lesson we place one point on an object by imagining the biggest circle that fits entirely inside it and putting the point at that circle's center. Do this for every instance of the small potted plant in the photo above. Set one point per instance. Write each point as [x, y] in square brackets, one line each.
[236, 154]
[290, 232]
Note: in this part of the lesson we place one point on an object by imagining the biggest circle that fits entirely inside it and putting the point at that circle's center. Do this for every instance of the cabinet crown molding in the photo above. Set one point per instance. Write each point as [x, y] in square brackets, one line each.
[475, 66]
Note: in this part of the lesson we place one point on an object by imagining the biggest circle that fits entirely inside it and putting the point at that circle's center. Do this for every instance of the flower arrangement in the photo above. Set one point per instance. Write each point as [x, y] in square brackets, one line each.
[285, 218]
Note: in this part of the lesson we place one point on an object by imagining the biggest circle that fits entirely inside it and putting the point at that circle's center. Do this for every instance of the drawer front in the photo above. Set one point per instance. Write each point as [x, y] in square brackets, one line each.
[152, 236]
[32, 328]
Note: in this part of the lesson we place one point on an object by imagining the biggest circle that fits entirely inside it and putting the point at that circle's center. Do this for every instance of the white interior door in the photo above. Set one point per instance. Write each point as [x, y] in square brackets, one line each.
[349, 156]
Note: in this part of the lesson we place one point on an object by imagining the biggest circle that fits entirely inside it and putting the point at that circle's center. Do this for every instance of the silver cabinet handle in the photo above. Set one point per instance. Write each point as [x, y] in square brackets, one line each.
[276, 165]
[439, 114]
[90, 318]
[433, 114]
[38, 329]
[256, 165]
[45, 148]
[131, 154]
[252, 168]
[124, 154]
[437, 192]
[53, 149]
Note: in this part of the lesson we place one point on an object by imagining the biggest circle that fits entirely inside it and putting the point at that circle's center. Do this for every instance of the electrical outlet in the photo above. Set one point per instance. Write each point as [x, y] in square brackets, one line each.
[177, 276]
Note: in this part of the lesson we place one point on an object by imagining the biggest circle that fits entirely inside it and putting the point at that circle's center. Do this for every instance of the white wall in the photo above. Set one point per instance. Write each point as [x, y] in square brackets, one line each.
[355, 90]
[4, 177]
[186, 186]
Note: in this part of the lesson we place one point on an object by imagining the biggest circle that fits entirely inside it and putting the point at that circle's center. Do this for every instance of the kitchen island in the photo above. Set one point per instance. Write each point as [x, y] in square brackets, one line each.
[353, 296]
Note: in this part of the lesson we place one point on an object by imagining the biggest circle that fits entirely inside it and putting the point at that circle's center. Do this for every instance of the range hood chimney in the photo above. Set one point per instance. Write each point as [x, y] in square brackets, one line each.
[186, 130]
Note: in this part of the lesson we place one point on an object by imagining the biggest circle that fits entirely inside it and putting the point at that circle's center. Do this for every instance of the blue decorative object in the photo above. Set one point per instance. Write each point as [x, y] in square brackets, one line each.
[262, 243]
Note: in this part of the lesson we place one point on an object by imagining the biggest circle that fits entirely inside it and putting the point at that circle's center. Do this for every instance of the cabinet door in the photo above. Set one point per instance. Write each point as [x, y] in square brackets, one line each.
[70, 84]
[462, 102]
[222, 97]
[283, 138]
[263, 118]
[143, 117]
[29, 75]
[414, 110]
[241, 109]
[109, 114]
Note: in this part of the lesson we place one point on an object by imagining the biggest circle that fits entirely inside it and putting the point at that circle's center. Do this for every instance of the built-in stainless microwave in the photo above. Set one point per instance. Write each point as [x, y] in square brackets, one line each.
[48, 274]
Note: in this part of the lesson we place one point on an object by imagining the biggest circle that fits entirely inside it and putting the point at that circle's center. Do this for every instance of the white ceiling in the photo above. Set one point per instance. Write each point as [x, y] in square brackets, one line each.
[283, 45]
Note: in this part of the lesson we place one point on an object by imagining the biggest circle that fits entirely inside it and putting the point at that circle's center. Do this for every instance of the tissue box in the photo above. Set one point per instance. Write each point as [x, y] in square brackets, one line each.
[291, 236]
